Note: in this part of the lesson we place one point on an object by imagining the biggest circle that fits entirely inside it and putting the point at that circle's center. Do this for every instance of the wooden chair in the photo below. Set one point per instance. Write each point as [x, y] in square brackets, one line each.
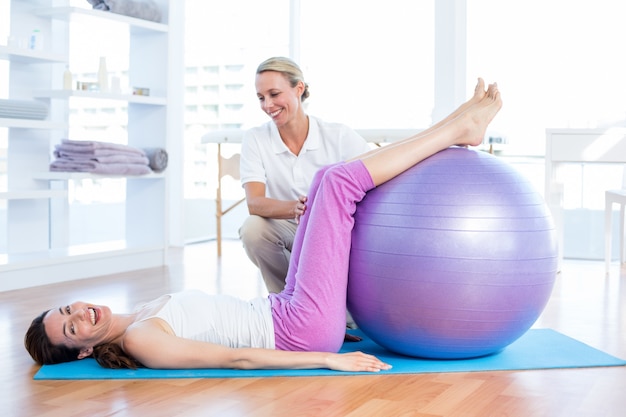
[225, 166]
[614, 197]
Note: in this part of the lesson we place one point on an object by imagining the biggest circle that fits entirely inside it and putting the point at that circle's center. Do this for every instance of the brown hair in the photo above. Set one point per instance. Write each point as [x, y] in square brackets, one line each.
[288, 68]
[44, 352]
[41, 348]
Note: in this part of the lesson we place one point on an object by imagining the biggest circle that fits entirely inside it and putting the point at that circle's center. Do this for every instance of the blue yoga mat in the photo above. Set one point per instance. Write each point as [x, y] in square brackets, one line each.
[536, 349]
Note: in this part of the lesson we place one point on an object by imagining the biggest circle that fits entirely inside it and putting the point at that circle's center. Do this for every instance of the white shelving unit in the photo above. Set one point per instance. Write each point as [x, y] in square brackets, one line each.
[69, 13]
[28, 56]
[32, 195]
[129, 98]
[32, 124]
[38, 211]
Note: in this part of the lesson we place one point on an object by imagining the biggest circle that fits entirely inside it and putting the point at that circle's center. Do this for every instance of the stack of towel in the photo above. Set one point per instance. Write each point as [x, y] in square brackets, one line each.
[23, 109]
[141, 9]
[157, 159]
[107, 158]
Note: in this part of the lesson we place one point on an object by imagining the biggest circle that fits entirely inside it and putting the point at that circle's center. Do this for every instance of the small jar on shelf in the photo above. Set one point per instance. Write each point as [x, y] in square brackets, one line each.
[67, 79]
[103, 75]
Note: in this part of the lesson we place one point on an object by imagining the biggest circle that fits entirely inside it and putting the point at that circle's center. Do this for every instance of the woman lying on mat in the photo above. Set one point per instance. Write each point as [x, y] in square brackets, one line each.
[301, 327]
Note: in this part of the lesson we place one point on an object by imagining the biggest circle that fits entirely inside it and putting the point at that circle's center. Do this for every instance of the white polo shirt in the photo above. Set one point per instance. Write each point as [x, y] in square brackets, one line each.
[265, 158]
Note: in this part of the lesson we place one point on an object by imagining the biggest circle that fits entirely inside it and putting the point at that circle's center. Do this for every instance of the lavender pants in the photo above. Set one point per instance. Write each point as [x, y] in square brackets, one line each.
[310, 313]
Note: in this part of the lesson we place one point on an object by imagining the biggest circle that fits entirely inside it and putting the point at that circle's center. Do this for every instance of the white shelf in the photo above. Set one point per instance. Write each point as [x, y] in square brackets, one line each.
[80, 14]
[32, 194]
[27, 56]
[130, 98]
[41, 222]
[66, 176]
[32, 124]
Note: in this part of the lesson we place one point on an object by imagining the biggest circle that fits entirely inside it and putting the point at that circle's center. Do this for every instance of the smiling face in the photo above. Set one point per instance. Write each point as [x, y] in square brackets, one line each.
[78, 325]
[278, 98]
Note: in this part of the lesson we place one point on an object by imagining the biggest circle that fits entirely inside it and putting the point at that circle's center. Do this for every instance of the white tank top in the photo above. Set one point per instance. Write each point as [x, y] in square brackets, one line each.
[219, 319]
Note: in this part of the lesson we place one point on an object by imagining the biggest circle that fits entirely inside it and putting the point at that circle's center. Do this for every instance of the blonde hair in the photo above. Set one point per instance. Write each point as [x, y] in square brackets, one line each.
[288, 68]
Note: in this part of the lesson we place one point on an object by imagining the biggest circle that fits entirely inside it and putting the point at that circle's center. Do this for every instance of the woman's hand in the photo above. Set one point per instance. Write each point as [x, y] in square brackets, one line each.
[300, 208]
[355, 362]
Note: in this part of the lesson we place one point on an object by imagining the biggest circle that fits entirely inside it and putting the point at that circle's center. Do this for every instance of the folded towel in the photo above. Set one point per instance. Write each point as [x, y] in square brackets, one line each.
[106, 157]
[157, 158]
[66, 151]
[23, 109]
[26, 105]
[96, 148]
[141, 9]
[94, 167]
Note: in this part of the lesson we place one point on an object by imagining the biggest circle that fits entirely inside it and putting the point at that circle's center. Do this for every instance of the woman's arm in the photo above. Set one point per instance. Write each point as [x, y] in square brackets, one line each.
[155, 348]
[251, 358]
[260, 205]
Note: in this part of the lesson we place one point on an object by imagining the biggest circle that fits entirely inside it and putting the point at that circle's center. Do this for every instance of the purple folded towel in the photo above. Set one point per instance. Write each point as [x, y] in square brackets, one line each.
[157, 158]
[96, 148]
[94, 167]
[141, 9]
[109, 157]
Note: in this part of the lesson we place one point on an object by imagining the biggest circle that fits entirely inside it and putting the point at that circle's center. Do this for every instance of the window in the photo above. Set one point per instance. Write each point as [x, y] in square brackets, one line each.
[560, 63]
[369, 64]
[224, 43]
[227, 41]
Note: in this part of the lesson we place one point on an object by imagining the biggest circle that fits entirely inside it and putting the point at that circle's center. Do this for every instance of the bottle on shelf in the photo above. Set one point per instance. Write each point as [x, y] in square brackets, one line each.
[103, 75]
[116, 84]
[35, 41]
[67, 78]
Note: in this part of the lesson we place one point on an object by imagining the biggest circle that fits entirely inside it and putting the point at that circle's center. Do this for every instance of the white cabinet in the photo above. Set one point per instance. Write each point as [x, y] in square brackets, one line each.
[37, 248]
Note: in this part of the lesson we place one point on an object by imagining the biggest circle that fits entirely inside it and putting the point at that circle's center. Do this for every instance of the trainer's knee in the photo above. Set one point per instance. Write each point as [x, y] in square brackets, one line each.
[253, 230]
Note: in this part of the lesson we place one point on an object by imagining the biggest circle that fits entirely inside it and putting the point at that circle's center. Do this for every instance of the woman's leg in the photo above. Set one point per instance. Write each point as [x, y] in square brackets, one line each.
[296, 250]
[467, 128]
[479, 94]
[310, 314]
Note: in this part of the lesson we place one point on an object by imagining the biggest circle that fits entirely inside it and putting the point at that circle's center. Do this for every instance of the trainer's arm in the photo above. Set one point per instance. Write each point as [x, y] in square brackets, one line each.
[270, 208]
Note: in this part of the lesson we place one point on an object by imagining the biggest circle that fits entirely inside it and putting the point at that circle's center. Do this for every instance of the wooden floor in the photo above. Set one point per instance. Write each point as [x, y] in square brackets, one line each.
[585, 305]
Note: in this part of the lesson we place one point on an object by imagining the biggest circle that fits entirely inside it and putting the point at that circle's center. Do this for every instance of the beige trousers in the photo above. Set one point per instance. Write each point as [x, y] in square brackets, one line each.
[268, 244]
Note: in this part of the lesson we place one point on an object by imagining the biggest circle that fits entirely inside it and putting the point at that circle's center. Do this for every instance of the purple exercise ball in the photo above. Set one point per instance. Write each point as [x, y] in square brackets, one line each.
[454, 258]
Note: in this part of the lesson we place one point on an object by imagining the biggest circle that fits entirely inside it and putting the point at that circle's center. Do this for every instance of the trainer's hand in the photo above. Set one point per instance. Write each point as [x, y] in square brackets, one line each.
[300, 208]
[356, 362]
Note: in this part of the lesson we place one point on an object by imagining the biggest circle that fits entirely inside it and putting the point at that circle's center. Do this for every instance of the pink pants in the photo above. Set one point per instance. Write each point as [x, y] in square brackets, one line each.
[310, 313]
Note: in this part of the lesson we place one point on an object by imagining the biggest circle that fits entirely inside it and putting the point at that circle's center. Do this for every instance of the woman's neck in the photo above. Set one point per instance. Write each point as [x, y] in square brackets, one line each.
[121, 322]
[294, 134]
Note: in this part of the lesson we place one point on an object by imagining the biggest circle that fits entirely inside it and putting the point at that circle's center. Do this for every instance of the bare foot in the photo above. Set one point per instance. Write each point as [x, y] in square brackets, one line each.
[479, 94]
[478, 116]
